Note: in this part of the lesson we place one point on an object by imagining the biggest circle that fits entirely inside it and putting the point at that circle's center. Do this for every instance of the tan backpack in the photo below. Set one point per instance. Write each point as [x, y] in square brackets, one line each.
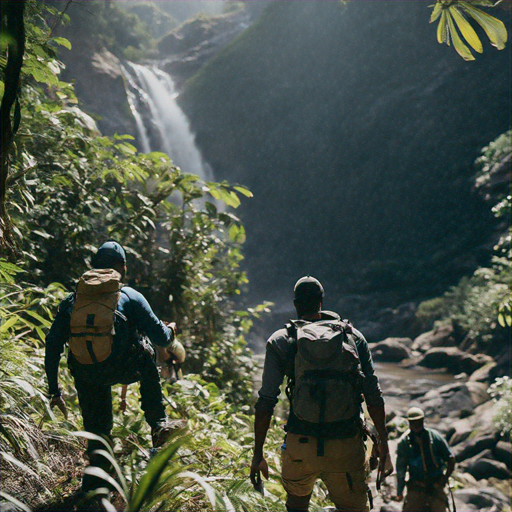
[92, 319]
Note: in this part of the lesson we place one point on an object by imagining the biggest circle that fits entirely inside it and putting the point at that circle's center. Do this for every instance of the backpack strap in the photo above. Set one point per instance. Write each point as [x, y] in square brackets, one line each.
[291, 330]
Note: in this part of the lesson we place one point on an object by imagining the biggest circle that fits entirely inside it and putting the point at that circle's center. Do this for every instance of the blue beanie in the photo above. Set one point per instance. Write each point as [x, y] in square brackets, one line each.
[108, 255]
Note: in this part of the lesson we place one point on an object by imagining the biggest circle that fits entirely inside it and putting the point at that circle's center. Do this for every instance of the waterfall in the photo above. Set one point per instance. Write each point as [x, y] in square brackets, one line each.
[161, 124]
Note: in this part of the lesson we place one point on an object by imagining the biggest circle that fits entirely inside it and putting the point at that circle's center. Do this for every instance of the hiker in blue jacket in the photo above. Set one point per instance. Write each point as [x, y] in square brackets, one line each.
[132, 358]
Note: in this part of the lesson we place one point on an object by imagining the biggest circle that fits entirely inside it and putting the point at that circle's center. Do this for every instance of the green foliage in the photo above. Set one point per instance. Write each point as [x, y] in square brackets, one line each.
[501, 392]
[453, 19]
[157, 21]
[480, 304]
[121, 31]
[72, 189]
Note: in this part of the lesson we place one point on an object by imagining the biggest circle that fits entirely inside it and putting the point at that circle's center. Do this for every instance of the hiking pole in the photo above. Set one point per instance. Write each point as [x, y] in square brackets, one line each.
[451, 494]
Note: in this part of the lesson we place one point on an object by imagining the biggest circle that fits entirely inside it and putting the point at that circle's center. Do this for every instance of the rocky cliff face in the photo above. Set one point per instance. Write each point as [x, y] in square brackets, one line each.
[357, 133]
[96, 73]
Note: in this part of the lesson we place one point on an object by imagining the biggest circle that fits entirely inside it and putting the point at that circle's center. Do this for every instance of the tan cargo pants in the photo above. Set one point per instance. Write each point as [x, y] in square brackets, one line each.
[433, 499]
[342, 468]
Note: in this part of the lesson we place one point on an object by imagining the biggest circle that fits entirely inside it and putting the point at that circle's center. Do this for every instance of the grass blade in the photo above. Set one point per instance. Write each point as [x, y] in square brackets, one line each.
[14, 501]
[153, 472]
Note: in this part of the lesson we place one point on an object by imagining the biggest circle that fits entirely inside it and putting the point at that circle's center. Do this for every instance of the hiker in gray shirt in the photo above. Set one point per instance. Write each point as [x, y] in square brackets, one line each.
[325, 433]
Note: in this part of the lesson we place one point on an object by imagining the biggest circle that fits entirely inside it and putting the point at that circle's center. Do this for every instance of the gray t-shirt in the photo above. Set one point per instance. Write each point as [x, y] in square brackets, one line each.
[279, 359]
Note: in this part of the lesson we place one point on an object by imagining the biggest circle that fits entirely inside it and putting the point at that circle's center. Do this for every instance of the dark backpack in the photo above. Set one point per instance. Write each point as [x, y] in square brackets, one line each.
[93, 317]
[326, 379]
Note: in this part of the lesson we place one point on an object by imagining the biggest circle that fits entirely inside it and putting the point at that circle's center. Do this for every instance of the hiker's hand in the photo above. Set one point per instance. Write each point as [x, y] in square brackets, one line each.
[399, 497]
[58, 401]
[383, 458]
[258, 466]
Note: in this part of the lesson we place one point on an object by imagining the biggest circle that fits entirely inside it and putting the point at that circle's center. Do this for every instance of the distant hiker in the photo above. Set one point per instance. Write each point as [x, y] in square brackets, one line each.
[105, 324]
[329, 369]
[424, 453]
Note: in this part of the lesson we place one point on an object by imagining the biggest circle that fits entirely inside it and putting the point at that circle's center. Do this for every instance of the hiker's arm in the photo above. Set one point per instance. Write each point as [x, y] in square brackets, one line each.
[446, 455]
[374, 402]
[273, 376]
[371, 387]
[450, 466]
[54, 344]
[262, 419]
[146, 321]
[401, 469]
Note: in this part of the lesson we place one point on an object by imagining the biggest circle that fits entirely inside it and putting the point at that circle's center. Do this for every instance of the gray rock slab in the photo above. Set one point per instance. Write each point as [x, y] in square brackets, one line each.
[451, 399]
[390, 350]
[442, 336]
[485, 467]
[485, 499]
[474, 446]
[503, 452]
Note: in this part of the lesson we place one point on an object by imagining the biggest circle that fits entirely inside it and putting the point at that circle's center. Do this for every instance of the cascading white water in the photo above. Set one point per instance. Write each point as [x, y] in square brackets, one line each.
[161, 124]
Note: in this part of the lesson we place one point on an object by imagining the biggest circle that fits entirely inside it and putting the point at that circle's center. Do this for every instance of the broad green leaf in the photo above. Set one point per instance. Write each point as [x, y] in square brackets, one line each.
[467, 31]
[237, 233]
[459, 46]
[63, 42]
[494, 28]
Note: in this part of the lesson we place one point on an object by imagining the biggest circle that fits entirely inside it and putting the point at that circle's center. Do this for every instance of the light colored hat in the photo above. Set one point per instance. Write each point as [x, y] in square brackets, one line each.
[415, 413]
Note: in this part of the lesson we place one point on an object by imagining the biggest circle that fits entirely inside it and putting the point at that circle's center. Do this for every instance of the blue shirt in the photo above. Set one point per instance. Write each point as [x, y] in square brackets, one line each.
[425, 462]
[140, 321]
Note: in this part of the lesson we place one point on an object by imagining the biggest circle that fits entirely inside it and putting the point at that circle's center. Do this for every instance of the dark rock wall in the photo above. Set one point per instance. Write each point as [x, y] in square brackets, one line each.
[357, 133]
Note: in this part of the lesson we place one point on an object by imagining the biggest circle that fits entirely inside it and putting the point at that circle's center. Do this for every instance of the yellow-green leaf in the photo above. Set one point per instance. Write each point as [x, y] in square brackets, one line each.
[9, 323]
[466, 30]
[442, 30]
[459, 46]
[245, 191]
[63, 42]
[436, 12]
[494, 28]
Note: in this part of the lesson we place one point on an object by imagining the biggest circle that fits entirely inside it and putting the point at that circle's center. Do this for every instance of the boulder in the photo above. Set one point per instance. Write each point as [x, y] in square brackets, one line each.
[442, 336]
[485, 499]
[503, 453]
[453, 359]
[391, 349]
[483, 466]
[474, 446]
[451, 399]
[480, 421]
[485, 373]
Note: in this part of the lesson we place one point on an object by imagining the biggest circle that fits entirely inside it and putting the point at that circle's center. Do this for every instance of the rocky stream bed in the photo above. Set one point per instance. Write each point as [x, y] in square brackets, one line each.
[451, 386]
